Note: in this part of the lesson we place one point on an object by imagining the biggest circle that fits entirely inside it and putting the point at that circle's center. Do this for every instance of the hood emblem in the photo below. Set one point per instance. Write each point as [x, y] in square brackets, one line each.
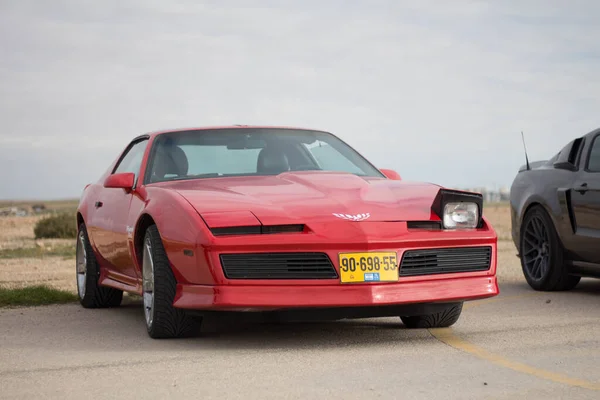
[350, 217]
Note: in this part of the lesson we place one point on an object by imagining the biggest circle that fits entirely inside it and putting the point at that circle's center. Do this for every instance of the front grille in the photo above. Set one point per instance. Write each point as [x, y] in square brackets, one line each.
[445, 261]
[278, 266]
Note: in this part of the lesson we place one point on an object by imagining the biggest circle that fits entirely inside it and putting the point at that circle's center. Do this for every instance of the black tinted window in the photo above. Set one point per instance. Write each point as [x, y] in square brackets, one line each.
[594, 159]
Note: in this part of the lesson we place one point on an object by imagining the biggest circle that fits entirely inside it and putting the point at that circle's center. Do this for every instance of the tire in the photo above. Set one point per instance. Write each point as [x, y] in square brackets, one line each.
[90, 293]
[542, 254]
[158, 285]
[442, 319]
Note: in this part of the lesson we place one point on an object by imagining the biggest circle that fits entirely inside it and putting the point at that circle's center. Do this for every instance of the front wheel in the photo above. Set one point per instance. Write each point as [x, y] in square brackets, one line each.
[442, 319]
[159, 285]
[542, 254]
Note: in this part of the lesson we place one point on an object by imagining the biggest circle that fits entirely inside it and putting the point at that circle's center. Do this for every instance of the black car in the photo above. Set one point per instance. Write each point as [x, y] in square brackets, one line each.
[555, 215]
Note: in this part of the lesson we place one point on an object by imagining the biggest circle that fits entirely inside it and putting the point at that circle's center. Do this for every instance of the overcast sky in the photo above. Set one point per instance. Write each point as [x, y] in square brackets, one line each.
[437, 90]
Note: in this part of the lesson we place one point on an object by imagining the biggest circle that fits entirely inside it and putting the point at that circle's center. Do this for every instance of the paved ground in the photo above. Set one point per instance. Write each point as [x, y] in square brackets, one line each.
[522, 344]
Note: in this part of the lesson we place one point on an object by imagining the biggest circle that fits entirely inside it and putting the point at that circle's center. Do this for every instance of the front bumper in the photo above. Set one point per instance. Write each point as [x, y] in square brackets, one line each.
[264, 298]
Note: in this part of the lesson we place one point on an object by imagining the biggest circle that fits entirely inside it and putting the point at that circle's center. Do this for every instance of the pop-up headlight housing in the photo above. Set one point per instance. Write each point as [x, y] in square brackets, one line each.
[458, 210]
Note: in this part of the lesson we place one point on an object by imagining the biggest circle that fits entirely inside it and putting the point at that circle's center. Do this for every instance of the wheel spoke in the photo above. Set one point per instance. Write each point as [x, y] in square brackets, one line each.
[529, 262]
[81, 264]
[148, 282]
[543, 232]
[529, 242]
[540, 270]
[535, 243]
[533, 268]
[531, 232]
[537, 226]
[532, 227]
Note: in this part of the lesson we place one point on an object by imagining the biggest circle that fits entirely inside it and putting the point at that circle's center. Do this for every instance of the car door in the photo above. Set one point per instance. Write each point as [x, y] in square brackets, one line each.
[111, 218]
[585, 203]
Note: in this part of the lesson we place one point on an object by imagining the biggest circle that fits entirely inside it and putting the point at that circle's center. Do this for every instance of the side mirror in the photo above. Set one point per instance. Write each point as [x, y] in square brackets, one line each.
[391, 174]
[564, 165]
[124, 180]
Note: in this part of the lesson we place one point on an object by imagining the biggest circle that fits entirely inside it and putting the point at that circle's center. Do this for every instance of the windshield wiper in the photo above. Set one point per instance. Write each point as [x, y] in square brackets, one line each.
[210, 175]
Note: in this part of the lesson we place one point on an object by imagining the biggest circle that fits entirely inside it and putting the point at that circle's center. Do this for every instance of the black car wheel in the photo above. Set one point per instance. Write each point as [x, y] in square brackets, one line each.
[542, 254]
[442, 319]
[91, 294]
[159, 286]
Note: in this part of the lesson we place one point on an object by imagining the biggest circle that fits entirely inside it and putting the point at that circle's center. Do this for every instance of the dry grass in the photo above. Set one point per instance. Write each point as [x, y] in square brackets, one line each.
[509, 266]
[499, 216]
[41, 266]
[16, 235]
[17, 232]
[62, 250]
[55, 272]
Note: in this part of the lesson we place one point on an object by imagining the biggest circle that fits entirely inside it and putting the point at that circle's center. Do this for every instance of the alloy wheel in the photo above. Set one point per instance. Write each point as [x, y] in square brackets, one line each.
[148, 282]
[81, 264]
[536, 248]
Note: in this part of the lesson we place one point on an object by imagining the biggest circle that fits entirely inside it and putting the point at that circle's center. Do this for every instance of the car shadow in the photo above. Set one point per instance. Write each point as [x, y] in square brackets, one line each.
[254, 331]
[588, 286]
[245, 331]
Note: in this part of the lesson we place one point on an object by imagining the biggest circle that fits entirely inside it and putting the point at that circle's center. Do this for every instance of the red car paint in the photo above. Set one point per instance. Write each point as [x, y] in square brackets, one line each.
[185, 210]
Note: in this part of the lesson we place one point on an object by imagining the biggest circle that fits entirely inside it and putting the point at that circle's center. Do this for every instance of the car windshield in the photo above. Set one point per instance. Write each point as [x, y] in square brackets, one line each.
[248, 151]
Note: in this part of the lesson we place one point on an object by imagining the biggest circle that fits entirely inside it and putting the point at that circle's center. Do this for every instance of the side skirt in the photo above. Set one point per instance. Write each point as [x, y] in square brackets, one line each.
[113, 283]
[584, 269]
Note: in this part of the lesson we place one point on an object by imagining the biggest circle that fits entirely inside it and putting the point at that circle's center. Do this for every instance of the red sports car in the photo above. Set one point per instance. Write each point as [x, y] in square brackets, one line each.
[284, 221]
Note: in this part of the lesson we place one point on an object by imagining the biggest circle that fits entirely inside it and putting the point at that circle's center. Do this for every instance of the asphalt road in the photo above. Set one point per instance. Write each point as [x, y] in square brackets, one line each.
[522, 344]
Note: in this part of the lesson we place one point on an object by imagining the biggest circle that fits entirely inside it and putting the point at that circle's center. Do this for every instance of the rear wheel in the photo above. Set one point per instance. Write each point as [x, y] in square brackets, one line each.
[91, 294]
[442, 319]
[159, 284]
[542, 254]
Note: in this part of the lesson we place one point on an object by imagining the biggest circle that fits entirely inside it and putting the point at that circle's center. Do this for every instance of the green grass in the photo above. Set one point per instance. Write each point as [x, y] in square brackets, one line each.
[35, 296]
[67, 251]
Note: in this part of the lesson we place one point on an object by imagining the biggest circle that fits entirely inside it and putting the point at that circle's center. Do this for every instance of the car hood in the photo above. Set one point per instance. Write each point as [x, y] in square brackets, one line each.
[304, 197]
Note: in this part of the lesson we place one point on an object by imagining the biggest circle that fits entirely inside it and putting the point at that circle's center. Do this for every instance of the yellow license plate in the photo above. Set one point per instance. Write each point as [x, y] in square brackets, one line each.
[368, 267]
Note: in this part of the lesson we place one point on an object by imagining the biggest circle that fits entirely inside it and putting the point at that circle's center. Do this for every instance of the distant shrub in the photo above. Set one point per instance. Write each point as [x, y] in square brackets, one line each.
[59, 226]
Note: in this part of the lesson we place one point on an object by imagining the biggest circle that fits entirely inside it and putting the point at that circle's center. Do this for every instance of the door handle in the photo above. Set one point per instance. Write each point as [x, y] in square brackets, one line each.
[583, 188]
[98, 204]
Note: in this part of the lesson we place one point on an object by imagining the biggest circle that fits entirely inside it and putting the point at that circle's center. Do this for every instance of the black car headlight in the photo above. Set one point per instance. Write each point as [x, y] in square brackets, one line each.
[458, 210]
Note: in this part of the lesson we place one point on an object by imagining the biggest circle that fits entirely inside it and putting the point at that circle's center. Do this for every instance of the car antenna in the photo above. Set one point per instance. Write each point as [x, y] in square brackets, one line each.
[525, 147]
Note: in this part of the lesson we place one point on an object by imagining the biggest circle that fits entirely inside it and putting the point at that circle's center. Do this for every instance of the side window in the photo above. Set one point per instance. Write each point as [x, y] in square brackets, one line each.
[133, 159]
[593, 162]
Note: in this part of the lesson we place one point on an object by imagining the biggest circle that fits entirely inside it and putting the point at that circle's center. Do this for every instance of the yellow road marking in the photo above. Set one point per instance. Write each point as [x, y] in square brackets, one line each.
[445, 335]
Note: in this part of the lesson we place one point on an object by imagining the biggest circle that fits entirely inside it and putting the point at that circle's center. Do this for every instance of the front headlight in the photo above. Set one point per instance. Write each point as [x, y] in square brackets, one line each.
[461, 215]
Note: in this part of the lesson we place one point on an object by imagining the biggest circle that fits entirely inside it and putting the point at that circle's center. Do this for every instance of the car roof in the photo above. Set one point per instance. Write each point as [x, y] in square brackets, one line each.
[229, 127]
[592, 133]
